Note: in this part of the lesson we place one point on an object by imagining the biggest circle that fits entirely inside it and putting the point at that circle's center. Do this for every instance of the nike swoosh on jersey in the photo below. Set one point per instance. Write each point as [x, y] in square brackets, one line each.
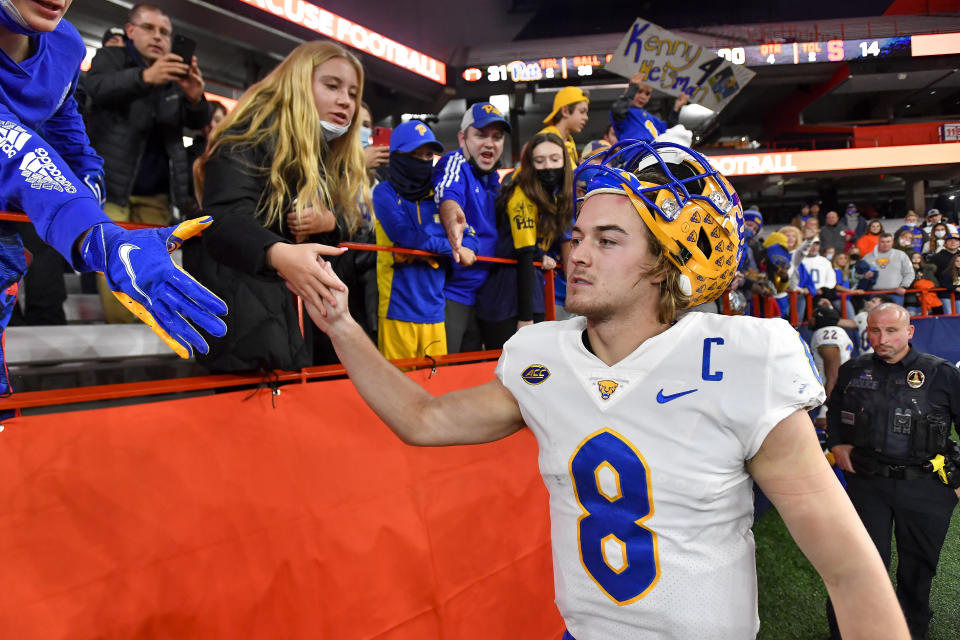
[662, 398]
[124, 252]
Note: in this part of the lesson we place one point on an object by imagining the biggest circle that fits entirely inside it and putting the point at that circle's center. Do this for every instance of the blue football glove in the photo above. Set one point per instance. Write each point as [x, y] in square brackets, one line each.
[142, 276]
[96, 184]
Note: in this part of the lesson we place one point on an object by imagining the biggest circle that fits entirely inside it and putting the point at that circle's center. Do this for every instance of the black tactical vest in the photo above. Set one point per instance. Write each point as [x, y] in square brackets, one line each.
[887, 409]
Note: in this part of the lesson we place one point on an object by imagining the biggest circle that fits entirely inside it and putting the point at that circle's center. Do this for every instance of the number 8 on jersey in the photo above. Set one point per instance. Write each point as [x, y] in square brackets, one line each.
[611, 483]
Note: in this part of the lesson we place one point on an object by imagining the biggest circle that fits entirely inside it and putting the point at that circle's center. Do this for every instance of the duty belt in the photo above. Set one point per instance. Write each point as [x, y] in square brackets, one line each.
[866, 464]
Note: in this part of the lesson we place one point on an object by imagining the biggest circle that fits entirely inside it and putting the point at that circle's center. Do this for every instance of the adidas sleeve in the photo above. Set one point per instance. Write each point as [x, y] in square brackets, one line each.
[67, 134]
[37, 180]
[449, 181]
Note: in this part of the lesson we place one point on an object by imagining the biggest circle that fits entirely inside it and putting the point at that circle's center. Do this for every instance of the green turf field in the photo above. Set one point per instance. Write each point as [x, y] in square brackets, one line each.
[792, 596]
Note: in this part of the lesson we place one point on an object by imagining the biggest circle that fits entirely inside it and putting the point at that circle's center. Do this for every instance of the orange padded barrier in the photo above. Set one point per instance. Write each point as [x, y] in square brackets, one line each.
[290, 516]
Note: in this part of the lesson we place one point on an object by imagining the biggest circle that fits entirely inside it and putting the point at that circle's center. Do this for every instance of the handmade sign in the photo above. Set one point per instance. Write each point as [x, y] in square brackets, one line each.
[675, 65]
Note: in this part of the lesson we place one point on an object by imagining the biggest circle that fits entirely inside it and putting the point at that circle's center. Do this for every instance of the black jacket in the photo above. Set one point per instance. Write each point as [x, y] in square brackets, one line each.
[122, 112]
[263, 330]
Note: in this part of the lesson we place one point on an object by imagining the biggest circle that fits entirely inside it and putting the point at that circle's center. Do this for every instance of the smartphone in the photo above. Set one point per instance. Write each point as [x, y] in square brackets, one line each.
[381, 136]
[183, 47]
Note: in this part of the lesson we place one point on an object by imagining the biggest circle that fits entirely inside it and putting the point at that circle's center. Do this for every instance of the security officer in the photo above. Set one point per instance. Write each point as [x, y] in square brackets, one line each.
[888, 426]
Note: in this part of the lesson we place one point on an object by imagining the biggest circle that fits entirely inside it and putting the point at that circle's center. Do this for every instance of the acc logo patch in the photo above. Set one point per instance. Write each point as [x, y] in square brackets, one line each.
[535, 374]
[915, 379]
[607, 387]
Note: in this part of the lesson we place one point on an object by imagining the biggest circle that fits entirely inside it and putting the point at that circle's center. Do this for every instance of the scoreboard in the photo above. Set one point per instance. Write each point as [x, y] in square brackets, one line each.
[811, 52]
[560, 68]
[777, 53]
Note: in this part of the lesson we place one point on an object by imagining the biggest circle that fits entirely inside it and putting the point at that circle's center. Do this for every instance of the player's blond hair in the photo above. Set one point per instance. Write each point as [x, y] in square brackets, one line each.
[279, 112]
[672, 298]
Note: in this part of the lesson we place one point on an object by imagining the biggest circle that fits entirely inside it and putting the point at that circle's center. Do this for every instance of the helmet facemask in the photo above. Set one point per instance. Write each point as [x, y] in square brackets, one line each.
[690, 208]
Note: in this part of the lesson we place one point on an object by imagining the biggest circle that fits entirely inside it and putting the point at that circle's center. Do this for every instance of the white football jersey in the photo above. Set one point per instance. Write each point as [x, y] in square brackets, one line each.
[861, 320]
[830, 337]
[821, 272]
[650, 502]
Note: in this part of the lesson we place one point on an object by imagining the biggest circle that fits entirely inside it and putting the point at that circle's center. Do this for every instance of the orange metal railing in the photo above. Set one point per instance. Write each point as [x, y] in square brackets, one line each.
[95, 393]
[225, 381]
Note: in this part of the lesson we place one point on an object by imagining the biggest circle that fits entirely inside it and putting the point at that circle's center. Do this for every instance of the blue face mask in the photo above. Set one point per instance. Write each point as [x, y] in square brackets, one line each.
[747, 233]
[366, 136]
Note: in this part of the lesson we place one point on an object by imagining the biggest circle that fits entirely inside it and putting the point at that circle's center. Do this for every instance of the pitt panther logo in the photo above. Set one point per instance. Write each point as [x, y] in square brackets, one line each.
[421, 129]
[489, 108]
[535, 374]
[607, 387]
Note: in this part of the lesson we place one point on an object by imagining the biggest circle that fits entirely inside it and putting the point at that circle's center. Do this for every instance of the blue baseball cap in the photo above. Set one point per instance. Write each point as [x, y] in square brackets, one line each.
[481, 115]
[411, 135]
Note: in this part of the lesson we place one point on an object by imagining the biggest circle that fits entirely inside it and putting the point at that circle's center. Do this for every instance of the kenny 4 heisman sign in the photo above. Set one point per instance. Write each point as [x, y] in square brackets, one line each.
[675, 65]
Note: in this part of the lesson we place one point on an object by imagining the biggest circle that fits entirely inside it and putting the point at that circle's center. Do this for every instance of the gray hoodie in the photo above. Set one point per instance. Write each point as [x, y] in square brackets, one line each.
[893, 268]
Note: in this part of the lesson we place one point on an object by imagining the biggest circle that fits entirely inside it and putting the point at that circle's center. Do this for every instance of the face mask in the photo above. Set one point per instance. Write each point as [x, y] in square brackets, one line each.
[366, 136]
[411, 177]
[550, 178]
[333, 131]
[829, 255]
[906, 243]
[939, 234]
[747, 233]
[483, 172]
[11, 19]
[910, 224]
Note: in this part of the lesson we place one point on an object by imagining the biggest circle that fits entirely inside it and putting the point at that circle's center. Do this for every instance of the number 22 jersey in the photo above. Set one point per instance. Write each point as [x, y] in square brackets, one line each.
[650, 502]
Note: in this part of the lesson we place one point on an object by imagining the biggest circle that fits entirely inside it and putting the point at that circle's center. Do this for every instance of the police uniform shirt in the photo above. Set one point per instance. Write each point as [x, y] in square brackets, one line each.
[650, 502]
[887, 402]
[830, 337]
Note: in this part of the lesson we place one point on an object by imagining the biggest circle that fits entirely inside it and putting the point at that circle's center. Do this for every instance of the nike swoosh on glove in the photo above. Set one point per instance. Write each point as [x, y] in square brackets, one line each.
[142, 276]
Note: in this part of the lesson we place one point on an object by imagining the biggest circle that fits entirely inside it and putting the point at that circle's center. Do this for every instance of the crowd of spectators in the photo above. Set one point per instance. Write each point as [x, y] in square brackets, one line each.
[281, 194]
[843, 258]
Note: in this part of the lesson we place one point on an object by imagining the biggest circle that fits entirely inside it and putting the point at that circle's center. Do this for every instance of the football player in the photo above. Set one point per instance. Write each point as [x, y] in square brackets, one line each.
[830, 344]
[653, 428]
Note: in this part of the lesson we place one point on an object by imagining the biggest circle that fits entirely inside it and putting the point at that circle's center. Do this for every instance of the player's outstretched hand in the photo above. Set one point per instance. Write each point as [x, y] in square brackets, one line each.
[302, 266]
[142, 276]
[330, 316]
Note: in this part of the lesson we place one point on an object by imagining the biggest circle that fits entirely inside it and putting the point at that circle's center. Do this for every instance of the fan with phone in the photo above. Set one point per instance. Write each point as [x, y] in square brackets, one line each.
[184, 47]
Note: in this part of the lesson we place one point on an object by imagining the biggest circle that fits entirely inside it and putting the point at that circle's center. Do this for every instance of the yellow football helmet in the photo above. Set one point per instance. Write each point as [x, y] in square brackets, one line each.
[691, 208]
